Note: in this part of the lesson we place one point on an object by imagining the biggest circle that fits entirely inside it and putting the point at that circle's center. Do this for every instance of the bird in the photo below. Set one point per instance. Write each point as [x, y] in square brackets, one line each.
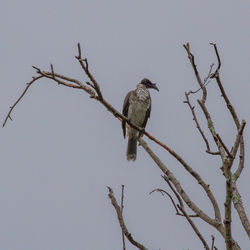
[137, 108]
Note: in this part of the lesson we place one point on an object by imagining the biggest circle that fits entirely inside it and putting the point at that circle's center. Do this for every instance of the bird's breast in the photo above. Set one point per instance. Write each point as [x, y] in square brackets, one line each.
[138, 106]
[142, 94]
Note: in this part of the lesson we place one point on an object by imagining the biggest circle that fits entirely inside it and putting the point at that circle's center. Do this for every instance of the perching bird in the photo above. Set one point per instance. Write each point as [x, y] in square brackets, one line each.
[137, 108]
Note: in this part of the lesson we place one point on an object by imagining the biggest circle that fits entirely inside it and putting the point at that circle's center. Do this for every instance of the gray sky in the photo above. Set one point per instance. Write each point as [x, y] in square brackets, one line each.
[63, 149]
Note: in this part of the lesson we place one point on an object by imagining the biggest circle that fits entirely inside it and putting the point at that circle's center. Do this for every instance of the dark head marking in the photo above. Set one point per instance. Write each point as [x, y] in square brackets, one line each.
[146, 82]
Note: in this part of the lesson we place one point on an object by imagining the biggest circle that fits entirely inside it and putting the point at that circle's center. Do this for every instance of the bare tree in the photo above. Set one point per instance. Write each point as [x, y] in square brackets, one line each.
[179, 197]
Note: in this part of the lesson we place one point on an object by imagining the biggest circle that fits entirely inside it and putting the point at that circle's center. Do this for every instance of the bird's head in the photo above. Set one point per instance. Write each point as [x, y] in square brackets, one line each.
[148, 84]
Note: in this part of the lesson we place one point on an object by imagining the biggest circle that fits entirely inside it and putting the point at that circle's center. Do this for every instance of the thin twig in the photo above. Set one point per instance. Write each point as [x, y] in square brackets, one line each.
[123, 239]
[170, 197]
[85, 67]
[238, 139]
[121, 221]
[53, 76]
[205, 82]
[212, 247]
[183, 212]
[162, 191]
[197, 75]
[212, 130]
[182, 209]
[21, 96]
[216, 75]
[208, 75]
[223, 145]
[196, 121]
[52, 70]
[197, 232]
[173, 190]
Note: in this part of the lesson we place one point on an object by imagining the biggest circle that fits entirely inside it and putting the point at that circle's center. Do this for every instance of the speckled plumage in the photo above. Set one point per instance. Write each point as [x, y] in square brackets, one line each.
[137, 107]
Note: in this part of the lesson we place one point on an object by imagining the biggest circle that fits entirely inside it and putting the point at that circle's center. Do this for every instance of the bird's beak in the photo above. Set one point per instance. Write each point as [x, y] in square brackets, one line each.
[154, 86]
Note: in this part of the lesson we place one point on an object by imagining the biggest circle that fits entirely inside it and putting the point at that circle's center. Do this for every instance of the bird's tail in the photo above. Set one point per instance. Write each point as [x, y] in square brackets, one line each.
[131, 149]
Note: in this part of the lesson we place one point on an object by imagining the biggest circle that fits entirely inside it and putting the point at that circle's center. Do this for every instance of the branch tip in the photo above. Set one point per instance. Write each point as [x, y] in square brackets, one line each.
[79, 50]
[52, 70]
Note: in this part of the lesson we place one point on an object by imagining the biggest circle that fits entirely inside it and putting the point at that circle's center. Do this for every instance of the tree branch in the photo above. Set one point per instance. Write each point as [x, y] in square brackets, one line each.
[214, 222]
[170, 197]
[123, 239]
[216, 75]
[227, 204]
[121, 221]
[232, 111]
[212, 247]
[180, 206]
[197, 75]
[174, 191]
[187, 101]
[238, 139]
[18, 100]
[238, 205]
[223, 145]
[85, 67]
[197, 232]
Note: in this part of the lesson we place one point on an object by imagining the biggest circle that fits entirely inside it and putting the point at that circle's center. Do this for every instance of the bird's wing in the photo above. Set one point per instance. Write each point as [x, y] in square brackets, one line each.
[125, 111]
[147, 115]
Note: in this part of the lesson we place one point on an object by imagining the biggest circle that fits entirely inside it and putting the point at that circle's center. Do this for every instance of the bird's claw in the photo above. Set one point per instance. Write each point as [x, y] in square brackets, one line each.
[142, 131]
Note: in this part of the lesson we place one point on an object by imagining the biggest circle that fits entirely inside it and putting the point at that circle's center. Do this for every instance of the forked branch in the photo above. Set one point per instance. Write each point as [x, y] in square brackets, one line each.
[227, 156]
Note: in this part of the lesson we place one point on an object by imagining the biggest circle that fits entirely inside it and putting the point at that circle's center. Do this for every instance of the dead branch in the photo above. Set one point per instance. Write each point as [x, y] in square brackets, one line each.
[241, 159]
[121, 221]
[57, 78]
[187, 101]
[238, 139]
[188, 217]
[85, 67]
[202, 102]
[228, 158]
[223, 145]
[212, 247]
[164, 192]
[177, 196]
[227, 205]
[174, 191]
[170, 197]
[205, 82]
[238, 205]
[216, 75]
[239, 142]
[122, 206]
[213, 222]
[18, 100]
[197, 232]
[231, 109]
[197, 75]
[180, 207]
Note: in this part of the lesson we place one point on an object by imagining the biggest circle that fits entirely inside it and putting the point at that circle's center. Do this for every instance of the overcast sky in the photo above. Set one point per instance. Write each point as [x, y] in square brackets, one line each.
[62, 149]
